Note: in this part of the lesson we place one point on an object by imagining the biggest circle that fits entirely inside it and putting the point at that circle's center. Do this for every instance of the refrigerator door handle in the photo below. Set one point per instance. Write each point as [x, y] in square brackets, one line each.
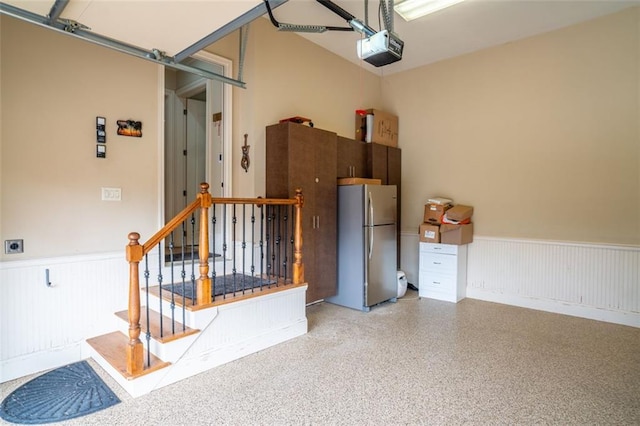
[370, 226]
[370, 203]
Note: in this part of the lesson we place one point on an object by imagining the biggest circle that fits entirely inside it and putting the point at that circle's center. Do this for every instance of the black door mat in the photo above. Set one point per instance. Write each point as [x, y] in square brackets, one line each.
[65, 393]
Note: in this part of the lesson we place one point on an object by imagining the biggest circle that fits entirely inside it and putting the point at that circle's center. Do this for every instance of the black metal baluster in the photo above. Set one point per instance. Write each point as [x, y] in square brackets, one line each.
[193, 260]
[224, 250]
[183, 273]
[292, 241]
[244, 247]
[234, 221]
[173, 299]
[160, 278]
[277, 253]
[285, 246]
[262, 219]
[253, 244]
[268, 241]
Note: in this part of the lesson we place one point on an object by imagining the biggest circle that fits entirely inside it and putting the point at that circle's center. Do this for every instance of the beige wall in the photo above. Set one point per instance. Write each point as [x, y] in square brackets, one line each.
[53, 87]
[64, 80]
[287, 76]
[541, 135]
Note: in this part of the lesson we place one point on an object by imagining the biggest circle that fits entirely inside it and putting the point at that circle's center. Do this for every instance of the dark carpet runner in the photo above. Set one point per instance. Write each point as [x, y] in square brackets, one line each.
[226, 284]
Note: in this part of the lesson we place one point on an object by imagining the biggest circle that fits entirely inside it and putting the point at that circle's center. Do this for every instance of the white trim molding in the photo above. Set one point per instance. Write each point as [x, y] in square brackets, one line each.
[595, 281]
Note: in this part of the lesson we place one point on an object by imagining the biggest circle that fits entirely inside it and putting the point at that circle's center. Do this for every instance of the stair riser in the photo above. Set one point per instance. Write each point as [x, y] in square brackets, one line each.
[193, 319]
[169, 351]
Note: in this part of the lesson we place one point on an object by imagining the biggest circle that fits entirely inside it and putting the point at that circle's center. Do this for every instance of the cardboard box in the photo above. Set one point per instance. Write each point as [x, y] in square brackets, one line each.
[359, 181]
[433, 213]
[384, 128]
[459, 212]
[429, 233]
[456, 234]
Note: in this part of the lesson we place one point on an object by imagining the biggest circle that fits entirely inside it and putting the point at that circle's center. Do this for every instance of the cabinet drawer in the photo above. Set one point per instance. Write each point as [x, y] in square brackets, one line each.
[439, 263]
[438, 287]
[438, 248]
[438, 282]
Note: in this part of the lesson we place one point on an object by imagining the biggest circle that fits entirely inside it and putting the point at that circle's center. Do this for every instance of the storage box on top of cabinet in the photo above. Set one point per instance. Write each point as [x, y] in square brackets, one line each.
[377, 126]
[442, 271]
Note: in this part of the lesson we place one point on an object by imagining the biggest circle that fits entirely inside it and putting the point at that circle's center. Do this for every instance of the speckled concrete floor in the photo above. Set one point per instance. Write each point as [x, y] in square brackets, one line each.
[417, 361]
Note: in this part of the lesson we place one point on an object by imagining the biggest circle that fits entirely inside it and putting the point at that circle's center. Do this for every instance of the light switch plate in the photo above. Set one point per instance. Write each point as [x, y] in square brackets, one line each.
[111, 194]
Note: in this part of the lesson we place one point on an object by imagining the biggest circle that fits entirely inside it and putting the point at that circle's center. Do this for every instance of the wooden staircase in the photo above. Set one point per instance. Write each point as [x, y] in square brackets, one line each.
[214, 336]
[215, 331]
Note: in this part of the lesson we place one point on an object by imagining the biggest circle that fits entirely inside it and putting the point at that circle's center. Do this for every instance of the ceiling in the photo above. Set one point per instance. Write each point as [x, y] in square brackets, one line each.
[466, 27]
[173, 25]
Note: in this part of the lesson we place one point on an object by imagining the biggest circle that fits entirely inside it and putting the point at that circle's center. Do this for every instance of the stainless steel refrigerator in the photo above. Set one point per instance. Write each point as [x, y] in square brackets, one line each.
[367, 244]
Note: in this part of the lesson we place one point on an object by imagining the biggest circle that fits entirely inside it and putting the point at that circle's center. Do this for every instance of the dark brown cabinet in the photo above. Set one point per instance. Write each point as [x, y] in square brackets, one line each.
[385, 163]
[298, 156]
[352, 158]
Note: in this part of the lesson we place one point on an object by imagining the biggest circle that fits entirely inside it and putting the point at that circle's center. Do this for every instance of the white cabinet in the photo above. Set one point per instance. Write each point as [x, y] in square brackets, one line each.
[443, 271]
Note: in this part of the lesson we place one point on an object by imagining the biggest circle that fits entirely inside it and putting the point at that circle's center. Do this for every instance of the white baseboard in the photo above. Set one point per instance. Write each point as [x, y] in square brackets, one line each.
[624, 318]
[38, 362]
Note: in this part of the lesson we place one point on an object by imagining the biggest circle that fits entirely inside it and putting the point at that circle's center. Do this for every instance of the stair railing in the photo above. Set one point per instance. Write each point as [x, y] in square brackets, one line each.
[136, 252]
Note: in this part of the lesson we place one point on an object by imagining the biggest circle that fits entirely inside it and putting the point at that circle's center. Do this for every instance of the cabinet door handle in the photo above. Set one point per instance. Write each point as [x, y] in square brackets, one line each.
[318, 222]
[437, 263]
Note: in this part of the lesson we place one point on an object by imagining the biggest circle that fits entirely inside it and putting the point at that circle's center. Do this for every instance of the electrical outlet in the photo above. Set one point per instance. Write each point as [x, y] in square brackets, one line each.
[111, 194]
[13, 246]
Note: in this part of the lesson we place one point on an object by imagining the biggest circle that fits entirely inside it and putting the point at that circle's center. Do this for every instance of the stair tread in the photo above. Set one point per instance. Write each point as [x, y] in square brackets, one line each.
[112, 347]
[228, 298]
[154, 326]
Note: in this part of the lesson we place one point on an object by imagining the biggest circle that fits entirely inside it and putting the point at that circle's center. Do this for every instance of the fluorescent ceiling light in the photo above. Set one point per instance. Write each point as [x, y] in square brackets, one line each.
[413, 9]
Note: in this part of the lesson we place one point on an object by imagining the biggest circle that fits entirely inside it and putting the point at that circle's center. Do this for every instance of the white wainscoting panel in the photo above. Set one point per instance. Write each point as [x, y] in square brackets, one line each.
[41, 326]
[594, 281]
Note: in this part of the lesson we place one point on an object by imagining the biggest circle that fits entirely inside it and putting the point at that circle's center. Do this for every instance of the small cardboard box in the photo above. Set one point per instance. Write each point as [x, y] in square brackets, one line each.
[429, 233]
[433, 213]
[459, 212]
[383, 125]
[456, 234]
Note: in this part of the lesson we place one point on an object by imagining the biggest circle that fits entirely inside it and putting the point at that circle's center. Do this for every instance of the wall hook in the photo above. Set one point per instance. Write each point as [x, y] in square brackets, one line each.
[46, 277]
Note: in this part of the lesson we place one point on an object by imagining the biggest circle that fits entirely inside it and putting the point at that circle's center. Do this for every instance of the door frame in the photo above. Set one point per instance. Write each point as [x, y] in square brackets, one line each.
[227, 135]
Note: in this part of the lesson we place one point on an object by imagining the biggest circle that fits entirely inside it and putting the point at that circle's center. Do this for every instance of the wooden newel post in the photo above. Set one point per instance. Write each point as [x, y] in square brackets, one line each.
[135, 352]
[203, 284]
[298, 266]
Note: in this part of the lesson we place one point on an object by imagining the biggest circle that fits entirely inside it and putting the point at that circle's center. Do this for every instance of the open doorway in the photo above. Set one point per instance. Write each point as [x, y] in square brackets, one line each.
[197, 135]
